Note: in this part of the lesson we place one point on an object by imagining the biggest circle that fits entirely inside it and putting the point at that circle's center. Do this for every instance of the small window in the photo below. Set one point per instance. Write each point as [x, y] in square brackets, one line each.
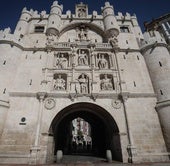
[161, 92]
[4, 91]
[134, 83]
[30, 82]
[39, 29]
[160, 64]
[4, 62]
[124, 29]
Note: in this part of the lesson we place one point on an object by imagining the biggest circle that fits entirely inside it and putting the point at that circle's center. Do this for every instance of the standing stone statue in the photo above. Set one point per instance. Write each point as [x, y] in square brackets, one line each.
[50, 39]
[83, 81]
[103, 64]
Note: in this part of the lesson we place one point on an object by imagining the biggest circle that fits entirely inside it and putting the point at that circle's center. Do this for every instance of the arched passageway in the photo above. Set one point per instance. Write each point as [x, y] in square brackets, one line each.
[104, 130]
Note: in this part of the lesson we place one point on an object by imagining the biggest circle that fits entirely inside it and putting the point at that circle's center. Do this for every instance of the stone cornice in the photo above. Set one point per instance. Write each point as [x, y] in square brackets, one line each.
[97, 95]
[4, 103]
[162, 104]
[104, 47]
[153, 45]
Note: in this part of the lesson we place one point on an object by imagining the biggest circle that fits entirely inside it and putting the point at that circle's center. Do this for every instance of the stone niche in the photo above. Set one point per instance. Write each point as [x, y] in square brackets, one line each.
[83, 58]
[103, 61]
[81, 10]
[106, 82]
[61, 60]
[60, 82]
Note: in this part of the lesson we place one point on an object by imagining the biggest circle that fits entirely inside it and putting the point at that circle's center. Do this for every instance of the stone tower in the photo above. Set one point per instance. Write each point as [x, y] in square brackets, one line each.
[21, 28]
[54, 19]
[58, 67]
[155, 51]
[110, 22]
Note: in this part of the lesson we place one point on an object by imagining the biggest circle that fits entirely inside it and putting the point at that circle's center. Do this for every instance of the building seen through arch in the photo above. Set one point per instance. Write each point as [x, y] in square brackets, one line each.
[83, 84]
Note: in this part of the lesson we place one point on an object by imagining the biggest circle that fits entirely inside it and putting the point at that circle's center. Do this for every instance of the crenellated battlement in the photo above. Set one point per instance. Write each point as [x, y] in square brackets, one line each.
[152, 38]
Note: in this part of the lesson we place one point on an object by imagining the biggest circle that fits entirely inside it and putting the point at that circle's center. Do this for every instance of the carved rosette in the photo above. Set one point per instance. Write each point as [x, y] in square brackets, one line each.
[116, 104]
[50, 103]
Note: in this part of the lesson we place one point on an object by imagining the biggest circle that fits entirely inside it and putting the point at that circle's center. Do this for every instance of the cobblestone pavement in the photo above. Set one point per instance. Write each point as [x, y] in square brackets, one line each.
[91, 161]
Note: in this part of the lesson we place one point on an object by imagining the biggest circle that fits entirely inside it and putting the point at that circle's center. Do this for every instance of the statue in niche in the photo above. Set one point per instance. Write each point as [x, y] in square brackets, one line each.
[106, 83]
[113, 41]
[60, 83]
[61, 61]
[83, 82]
[82, 58]
[50, 39]
[102, 63]
[82, 35]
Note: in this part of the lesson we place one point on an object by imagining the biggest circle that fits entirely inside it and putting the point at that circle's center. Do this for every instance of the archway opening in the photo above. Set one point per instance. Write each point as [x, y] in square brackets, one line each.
[104, 132]
[81, 140]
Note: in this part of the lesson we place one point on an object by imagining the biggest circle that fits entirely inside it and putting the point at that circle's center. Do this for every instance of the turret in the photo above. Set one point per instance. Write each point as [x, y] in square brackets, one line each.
[21, 28]
[110, 22]
[158, 61]
[54, 20]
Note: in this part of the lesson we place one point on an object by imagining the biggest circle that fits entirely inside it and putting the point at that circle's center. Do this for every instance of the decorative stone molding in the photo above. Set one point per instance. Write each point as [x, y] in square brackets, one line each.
[162, 104]
[4, 101]
[49, 103]
[116, 104]
[132, 152]
[124, 96]
[41, 96]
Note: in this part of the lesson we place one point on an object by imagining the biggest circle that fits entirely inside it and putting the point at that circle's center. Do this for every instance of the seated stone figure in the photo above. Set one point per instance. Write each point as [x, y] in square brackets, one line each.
[61, 62]
[83, 58]
[59, 83]
[106, 83]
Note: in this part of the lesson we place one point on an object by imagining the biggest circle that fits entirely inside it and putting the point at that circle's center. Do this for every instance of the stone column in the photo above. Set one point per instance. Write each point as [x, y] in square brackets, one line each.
[73, 53]
[164, 27]
[111, 61]
[34, 152]
[131, 149]
[168, 24]
[92, 60]
[124, 96]
[92, 48]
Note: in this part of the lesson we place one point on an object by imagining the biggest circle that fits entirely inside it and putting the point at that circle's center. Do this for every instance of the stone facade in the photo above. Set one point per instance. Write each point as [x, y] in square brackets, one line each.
[57, 67]
[161, 24]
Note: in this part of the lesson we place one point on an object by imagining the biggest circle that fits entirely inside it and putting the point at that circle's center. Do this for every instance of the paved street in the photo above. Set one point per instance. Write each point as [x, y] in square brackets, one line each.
[92, 161]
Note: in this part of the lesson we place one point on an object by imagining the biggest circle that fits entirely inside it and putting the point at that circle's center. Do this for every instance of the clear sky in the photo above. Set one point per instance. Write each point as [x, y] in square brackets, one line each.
[145, 10]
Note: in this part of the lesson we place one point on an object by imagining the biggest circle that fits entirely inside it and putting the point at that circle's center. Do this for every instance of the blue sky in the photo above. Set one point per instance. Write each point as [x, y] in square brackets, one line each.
[145, 10]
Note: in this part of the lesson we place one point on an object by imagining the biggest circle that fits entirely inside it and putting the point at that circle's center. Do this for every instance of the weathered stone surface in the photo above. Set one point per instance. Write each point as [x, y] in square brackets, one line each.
[57, 67]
